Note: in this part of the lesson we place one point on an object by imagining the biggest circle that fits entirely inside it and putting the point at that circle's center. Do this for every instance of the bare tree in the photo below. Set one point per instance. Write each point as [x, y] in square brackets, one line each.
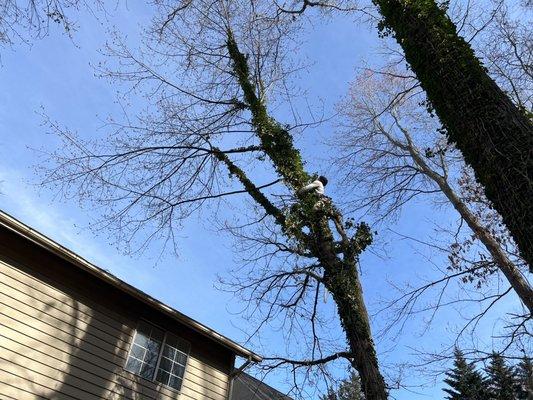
[394, 150]
[505, 44]
[398, 169]
[20, 20]
[207, 69]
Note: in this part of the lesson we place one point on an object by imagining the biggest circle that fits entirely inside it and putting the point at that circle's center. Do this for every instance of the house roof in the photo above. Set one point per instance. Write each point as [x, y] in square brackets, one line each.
[246, 387]
[45, 242]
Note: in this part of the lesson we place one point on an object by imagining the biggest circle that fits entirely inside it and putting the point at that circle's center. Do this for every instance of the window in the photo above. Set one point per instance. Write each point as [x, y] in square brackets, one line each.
[144, 351]
[172, 364]
[158, 356]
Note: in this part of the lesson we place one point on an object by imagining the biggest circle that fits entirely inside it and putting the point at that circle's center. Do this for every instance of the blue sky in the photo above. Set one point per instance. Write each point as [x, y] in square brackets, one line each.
[55, 73]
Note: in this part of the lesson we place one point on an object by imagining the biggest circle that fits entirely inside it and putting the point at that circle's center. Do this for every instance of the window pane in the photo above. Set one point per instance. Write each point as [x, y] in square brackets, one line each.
[165, 364]
[177, 343]
[173, 362]
[181, 358]
[162, 377]
[172, 341]
[157, 335]
[137, 351]
[178, 370]
[147, 371]
[141, 339]
[144, 352]
[144, 328]
[175, 382]
[169, 352]
[133, 365]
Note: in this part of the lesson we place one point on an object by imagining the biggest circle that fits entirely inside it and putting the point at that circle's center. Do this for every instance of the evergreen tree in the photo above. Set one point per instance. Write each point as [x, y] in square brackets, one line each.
[500, 379]
[331, 395]
[524, 377]
[349, 389]
[465, 382]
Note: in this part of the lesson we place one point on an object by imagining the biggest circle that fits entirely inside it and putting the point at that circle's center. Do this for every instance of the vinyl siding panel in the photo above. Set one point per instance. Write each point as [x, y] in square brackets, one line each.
[65, 336]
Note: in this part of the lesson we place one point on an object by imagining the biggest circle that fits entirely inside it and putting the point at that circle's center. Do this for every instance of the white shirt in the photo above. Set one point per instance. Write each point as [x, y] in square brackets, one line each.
[317, 186]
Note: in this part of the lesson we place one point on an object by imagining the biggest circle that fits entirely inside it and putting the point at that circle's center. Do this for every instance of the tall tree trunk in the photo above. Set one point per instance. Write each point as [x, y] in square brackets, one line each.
[495, 137]
[343, 283]
[340, 274]
[342, 280]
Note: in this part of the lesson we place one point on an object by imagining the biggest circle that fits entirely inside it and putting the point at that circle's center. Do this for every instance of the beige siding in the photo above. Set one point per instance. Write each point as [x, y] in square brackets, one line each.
[55, 344]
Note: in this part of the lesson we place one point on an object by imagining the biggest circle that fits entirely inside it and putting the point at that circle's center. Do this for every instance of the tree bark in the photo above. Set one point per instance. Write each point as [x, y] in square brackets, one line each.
[347, 294]
[342, 280]
[343, 283]
[495, 137]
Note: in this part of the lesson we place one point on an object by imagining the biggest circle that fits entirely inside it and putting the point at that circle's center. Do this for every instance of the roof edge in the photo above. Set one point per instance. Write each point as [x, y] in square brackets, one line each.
[45, 242]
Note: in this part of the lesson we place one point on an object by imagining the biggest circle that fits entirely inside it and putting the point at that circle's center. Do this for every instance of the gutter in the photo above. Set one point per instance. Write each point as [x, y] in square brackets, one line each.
[235, 373]
[48, 244]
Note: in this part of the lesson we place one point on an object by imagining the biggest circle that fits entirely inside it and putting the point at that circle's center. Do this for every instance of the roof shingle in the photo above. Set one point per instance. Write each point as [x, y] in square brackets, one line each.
[246, 387]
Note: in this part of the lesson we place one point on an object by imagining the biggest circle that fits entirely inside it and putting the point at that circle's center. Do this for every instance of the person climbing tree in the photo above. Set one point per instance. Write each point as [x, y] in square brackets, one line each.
[317, 186]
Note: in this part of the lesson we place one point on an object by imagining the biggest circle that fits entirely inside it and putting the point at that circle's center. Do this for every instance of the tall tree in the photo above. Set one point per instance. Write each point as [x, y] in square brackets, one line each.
[390, 147]
[524, 377]
[464, 381]
[340, 274]
[209, 69]
[500, 379]
[493, 134]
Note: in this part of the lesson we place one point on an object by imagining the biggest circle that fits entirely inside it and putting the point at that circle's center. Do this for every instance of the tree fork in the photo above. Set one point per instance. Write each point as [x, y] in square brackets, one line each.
[494, 136]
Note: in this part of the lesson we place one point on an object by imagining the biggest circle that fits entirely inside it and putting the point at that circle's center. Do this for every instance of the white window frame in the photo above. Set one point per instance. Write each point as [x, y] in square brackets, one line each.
[159, 355]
